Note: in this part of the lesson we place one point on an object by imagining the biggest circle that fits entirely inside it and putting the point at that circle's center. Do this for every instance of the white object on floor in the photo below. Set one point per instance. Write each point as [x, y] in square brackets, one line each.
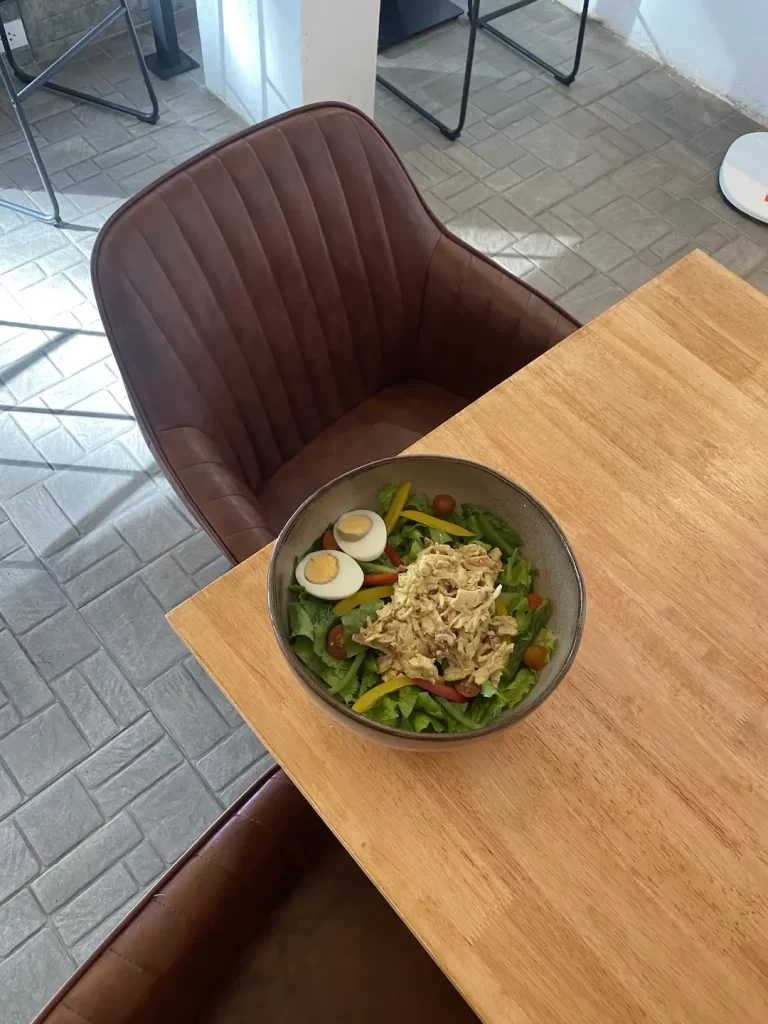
[744, 175]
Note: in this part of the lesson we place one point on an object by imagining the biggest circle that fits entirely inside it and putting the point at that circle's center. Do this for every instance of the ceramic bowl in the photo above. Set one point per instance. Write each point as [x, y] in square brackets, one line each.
[544, 544]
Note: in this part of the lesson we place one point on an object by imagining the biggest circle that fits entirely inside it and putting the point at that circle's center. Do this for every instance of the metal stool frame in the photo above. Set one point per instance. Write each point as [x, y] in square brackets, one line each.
[476, 21]
[31, 83]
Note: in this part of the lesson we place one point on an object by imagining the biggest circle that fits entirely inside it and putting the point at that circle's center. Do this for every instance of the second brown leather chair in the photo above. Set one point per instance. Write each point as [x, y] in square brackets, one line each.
[266, 920]
[285, 307]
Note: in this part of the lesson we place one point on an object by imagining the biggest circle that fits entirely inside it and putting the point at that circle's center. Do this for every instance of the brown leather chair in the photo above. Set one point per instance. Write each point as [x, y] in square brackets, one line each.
[265, 921]
[284, 307]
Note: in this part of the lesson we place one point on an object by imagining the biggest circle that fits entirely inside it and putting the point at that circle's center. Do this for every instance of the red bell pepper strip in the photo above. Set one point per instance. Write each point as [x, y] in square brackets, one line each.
[441, 690]
[393, 556]
[379, 579]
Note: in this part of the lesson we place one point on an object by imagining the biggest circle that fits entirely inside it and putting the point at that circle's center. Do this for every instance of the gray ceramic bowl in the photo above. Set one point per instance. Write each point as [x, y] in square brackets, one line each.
[545, 545]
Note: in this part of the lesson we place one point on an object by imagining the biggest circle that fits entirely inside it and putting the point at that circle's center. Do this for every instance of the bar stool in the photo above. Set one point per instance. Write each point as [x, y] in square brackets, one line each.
[31, 83]
[482, 21]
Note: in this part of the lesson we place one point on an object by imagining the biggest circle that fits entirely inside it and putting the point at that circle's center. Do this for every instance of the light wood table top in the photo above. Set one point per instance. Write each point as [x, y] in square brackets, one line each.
[605, 861]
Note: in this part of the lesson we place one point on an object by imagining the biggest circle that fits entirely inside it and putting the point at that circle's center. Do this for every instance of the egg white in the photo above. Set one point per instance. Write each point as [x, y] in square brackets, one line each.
[348, 580]
[371, 546]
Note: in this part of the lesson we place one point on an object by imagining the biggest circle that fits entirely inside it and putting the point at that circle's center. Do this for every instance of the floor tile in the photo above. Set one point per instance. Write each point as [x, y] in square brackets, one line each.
[627, 219]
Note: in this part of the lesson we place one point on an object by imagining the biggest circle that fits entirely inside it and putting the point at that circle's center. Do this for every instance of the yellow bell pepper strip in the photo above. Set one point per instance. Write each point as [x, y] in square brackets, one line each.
[370, 697]
[397, 506]
[362, 597]
[435, 523]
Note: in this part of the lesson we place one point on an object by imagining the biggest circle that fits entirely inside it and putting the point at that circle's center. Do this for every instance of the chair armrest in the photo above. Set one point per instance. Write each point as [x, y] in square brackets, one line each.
[480, 324]
[164, 962]
[214, 492]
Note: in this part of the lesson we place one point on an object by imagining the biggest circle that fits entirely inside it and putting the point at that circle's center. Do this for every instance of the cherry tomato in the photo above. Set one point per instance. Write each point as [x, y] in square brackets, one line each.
[468, 688]
[443, 504]
[336, 643]
[534, 600]
[535, 657]
[329, 541]
[441, 690]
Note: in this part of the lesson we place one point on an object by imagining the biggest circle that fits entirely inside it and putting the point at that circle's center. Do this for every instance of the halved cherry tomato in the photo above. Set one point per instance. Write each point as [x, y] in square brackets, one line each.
[468, 688]
[379, 579]
[534, 600]
[329, 541]
[441, 690]
[536, 657]
[393, 556]
[336, 643]
[443, 504]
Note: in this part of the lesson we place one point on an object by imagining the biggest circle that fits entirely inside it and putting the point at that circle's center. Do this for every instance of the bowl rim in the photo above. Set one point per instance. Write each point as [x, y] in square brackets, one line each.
[505, 719]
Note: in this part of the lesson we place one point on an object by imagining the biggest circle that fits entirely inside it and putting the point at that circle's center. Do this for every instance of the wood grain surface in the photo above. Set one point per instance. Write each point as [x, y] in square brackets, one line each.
[603, 862]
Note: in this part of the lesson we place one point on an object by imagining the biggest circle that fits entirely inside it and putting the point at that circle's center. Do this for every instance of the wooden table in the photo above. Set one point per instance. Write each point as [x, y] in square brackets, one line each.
[604, 862]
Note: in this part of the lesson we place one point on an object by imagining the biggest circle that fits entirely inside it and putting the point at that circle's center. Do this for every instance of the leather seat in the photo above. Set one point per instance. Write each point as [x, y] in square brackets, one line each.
[267, 919]
[284, 307]
[383, 425]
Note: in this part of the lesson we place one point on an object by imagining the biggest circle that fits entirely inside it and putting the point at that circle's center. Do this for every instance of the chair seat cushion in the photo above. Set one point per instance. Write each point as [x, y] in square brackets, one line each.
[382, 426]
[336, 953]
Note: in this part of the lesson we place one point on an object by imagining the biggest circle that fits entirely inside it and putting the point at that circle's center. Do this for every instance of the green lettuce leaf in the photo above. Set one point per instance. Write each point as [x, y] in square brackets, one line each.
[406, 700]
[426, 702]
[488, 689]
[516, 573]
[421, 721]
[339, 676]
[343, 681]
[547, 639]
[369, 680]
[456, 713]
[483, 710]
[302, 623]
[439, 537]
[523, 618]
[512, 693]
[321, 616]
[386, 497]
[384, 711]
[355, 619]
[494, 531]
[421, 502]
[384, 565]
[303, 648]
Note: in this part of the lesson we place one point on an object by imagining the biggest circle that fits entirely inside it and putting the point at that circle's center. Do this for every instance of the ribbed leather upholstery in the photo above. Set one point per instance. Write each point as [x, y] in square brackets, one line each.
[276, 283]
[265, 921]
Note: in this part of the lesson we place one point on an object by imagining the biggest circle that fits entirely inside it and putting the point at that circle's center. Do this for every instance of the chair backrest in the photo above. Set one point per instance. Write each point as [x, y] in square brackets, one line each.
[267, 286]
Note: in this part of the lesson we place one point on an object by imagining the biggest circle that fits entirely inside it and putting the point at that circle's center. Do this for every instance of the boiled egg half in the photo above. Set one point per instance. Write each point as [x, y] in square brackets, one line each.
[361, 534]
[329, 575]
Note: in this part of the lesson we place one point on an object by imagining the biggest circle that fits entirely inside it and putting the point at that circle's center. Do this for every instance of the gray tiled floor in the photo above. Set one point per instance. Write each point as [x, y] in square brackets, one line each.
[115, 749]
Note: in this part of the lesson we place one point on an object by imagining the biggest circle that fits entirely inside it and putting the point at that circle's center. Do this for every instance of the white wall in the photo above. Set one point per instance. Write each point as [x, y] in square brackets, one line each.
[263, 57]
[722, 45]
[339, 44]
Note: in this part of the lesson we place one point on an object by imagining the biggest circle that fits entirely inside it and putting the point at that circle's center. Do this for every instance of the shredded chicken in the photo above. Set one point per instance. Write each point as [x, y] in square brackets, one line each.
[442, 610]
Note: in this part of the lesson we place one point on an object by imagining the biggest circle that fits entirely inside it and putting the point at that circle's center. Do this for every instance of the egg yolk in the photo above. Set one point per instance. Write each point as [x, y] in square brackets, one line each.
[321, 568]
[352, 528]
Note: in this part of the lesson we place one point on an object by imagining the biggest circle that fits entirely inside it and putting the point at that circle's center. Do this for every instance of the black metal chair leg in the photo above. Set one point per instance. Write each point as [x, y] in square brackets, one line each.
[121, 11]
[32, 83]
[565, 79]
[450, 133]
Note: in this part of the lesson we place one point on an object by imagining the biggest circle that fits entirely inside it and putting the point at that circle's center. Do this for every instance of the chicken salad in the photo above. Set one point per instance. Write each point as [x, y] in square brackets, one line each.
[446, 631]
